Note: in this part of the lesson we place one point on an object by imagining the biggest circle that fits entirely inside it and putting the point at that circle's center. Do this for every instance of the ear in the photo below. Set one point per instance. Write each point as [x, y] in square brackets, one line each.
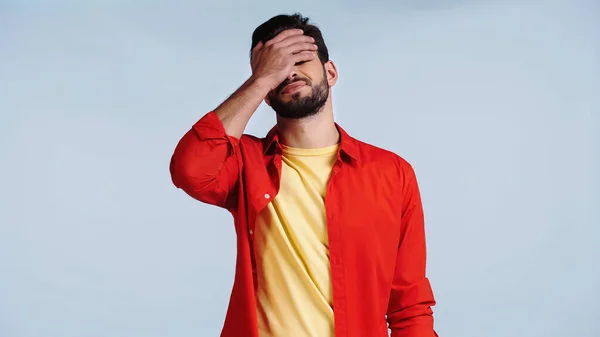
[331, 72]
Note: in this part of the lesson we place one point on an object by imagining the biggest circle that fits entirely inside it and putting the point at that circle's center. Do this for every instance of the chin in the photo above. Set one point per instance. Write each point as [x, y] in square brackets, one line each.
[292, 96]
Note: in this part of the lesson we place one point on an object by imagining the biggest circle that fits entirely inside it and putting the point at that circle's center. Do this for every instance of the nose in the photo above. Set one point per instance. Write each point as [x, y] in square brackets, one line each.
[292, 75]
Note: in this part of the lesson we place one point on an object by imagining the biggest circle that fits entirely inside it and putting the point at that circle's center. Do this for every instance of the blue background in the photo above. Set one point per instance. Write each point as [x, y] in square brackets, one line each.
[495, 103]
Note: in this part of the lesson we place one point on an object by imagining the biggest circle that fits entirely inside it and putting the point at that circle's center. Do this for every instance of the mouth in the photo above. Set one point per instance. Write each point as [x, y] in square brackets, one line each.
[292, 87]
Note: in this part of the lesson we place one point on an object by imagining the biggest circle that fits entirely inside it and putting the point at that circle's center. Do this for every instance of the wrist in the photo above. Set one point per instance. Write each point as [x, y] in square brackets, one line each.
[260, 84]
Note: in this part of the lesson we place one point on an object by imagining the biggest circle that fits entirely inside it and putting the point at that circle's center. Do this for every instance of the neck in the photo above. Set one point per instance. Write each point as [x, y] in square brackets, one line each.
[311, 132]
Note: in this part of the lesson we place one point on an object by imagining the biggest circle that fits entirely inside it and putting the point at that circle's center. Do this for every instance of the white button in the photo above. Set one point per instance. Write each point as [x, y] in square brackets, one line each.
[251, 232]
[267, 195]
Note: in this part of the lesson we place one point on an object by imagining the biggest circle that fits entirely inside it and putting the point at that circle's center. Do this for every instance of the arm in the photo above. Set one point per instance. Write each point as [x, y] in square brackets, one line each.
[206, 161]
[409, 311]
[236, 111]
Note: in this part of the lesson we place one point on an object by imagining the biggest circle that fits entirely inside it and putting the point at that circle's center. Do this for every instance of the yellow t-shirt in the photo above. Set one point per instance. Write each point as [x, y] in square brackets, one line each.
[292, 252]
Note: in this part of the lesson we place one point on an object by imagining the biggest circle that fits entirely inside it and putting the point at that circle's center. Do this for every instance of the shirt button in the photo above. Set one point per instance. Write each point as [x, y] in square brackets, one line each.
[267, 195]
[251, 232]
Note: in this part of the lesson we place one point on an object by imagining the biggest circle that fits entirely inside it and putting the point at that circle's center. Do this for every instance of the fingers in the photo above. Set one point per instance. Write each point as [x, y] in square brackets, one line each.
[284, 35]
[292, 40]
[289, 41]
[284, 39]
[259, 46]
[304, 56]
[290, 44]
[300, 47]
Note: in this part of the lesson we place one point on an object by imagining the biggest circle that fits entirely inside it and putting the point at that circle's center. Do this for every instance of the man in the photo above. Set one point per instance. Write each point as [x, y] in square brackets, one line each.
[330, 233]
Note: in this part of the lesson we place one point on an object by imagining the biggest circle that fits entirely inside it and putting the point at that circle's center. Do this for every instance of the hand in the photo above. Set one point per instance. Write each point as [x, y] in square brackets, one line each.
[273, 60]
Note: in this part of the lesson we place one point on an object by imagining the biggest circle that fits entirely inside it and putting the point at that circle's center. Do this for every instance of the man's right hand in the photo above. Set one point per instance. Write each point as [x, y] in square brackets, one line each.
[273, 60]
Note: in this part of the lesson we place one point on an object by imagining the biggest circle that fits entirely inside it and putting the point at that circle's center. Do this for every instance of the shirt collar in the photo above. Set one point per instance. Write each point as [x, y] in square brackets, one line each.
[348, 144]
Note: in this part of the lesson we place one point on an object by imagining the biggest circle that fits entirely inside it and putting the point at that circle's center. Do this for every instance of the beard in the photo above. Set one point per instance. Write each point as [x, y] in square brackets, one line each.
[299, 106]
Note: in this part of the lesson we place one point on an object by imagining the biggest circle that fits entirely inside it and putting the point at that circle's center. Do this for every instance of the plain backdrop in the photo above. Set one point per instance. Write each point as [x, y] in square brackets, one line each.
[495, 103]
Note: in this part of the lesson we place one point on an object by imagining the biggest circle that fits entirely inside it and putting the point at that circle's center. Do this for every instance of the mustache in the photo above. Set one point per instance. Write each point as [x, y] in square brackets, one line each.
[287, 82]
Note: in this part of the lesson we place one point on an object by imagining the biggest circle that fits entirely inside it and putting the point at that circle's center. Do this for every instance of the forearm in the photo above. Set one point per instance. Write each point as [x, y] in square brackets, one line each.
[413, 319]
[415, 331]
[235, 112]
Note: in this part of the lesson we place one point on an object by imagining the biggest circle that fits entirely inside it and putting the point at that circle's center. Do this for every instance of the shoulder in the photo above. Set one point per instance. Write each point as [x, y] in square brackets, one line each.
[390, 166]
[371, 154]
[251, 141]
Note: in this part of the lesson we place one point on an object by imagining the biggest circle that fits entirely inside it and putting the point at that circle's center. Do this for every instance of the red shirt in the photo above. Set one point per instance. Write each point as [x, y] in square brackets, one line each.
[374, 222]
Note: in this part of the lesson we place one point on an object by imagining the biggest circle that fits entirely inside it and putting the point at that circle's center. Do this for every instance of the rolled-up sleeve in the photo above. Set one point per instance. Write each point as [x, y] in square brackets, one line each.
[409, 311]
[205, 163]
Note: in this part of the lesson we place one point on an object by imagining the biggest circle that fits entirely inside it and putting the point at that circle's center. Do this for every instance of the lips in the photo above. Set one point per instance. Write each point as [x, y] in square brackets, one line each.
[292, 86]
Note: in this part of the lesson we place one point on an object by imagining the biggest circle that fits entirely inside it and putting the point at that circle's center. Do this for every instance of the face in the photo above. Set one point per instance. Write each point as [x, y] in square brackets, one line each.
[303, 94]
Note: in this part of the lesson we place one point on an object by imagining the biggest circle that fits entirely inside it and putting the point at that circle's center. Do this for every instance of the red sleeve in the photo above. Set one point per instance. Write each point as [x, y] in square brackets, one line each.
[409, 311]
[205, 163]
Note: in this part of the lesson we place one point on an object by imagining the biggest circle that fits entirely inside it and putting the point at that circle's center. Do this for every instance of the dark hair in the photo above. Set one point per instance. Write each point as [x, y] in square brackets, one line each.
[279, 23]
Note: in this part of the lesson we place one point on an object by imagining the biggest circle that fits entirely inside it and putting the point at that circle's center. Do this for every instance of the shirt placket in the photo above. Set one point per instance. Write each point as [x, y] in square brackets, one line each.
[335, 255]
[263, 198]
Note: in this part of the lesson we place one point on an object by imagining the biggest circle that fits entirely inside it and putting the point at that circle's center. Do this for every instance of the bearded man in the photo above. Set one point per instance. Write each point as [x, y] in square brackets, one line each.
[330, 229]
